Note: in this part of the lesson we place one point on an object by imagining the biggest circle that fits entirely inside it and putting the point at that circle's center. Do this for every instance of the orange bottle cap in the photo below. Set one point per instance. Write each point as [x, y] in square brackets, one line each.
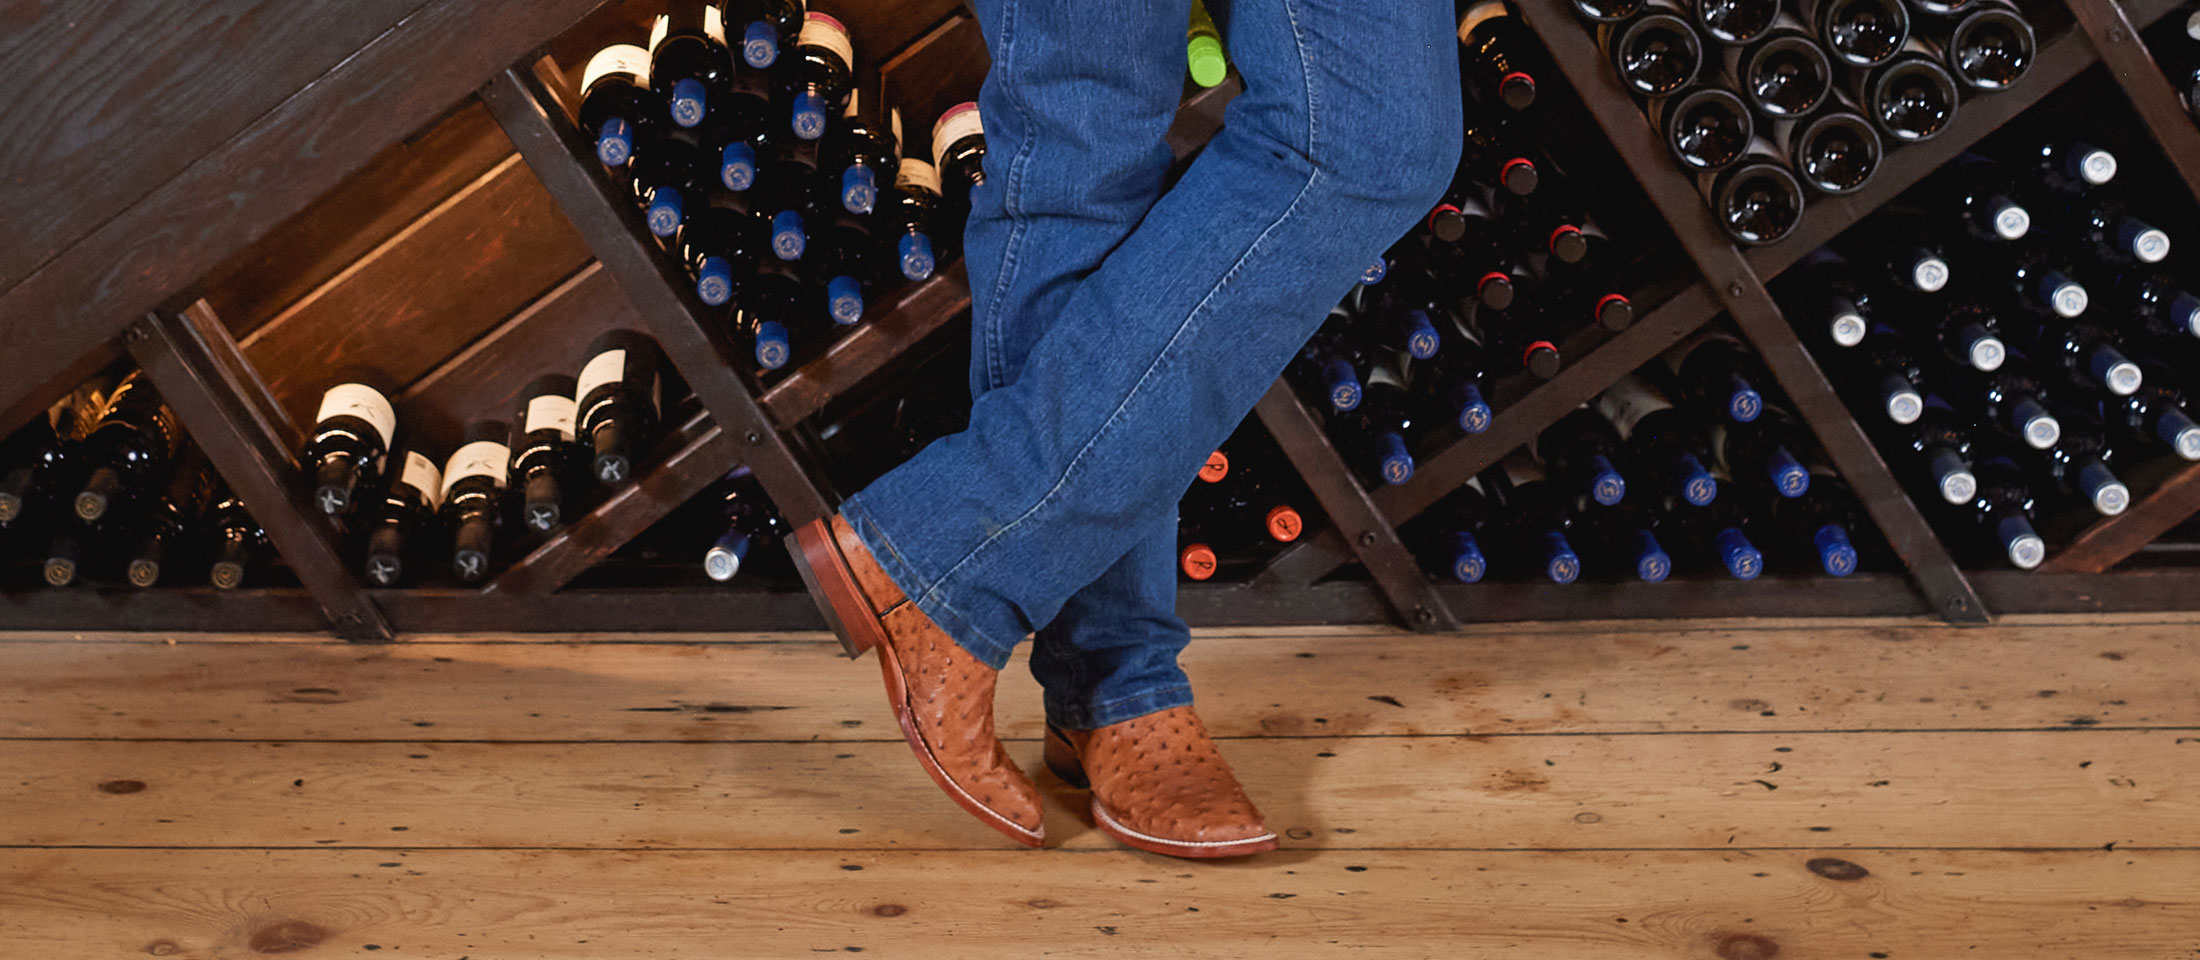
[1216, 467]
[1284, 523]
[1198, 561]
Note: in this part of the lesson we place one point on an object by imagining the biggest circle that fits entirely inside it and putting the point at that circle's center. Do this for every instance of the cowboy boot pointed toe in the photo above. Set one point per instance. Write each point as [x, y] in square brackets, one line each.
[1159, 784]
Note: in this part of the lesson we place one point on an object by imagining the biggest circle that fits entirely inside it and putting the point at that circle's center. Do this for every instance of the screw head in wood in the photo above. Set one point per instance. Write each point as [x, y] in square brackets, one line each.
[1367, 538]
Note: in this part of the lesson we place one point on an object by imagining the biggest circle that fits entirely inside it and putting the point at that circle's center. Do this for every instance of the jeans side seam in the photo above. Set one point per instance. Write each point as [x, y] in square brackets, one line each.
[1011, 189]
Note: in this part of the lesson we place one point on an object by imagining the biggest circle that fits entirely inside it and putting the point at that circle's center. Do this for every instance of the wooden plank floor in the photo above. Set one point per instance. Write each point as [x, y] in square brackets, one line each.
[1731, 790]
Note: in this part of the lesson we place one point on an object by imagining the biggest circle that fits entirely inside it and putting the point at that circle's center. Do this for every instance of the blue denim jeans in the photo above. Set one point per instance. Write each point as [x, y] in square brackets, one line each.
[1120, 331]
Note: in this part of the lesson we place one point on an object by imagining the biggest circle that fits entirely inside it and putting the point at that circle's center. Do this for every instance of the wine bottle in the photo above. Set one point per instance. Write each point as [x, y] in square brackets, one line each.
[1911, 97]
[2154, 415]
[739, 132]
[1714, 537]
[2109, 232]
[769, 311]
[1550, 222]
[1518, 336]
[1452, 386]
[1656, 51]
[753, 526]
[236, 543]
[409, 507]
[352, 433]
[689, 66]
[1757, 201]
[1448, 536]
[823, 73]
[671, 179]
[1783, 74]
[1911, 253]
[1330, 364]
[1532, 520]
[2012, 399]
[2161, 305]
[1983, 196]
[2042, 286]
[1818, 528]
[161, 540]
[912, 215]
[1620, 540]
[1735, 22]
[2000, 512]
[615, 401]
[863, 150]
[1499, 55]
[720, 245]
[1492, 155]
[1666, 448]
[844, 269]
[543, 452]
[958, 153]
[1893, 376]
[1464, 215]
[765, 26]
[1990, 48]
[128, 449]
[1204, 57]
[41, 461]
[1607, 11]
[1967, 332]
[1767, 452]
[1858, 33]
[474, 480]
[1707, 129]
[1834, 152]
[2081, 468]
[786, 195]
[1194, 556]
[1381, 430]
[1828, 302]
[2070, 168]
[1939, 444]
[2089, 354]
[1580, 454]
[1716, 376]
[617, 107]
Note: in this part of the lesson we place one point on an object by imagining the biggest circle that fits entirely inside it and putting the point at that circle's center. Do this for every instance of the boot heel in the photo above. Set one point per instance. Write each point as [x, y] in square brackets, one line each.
[832, 587]
[1062, 759]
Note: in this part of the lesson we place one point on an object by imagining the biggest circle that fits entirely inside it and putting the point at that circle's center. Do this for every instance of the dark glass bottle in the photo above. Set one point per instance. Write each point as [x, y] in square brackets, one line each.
[720, 245]
[1448, 536]
[1669, 451]
[787, 196]
[689, 66]
[2042, 285]
[739, 133]
[1893, 377]
[672, 178]
[1580, 453]
[1532, 520]
[1910, 251]
[543, 451]
[1985, 198]
[2011, 399]
[1768, 453]
[1735, 21]
[1714, 537]
[1453, 385]
[844, 268]
[353, 430]
[823, 73]
[128, 449]
[2068, 167]
[958, 153]
[2161, 305]
[161, 540]
[1657, 52]
[1939, 445]
[1815, 530]
[617, 107]
[1828, 301]
[1380, 432]
[474, 480]
[1968, 333]
[616, 403]
[1757, 201]
[764, 27]
[770, 311]
[1607, 11]
[753, 526]
[1499, 57]
[1716, 376]
[2155, 415]
[2090, 354]
[1331, 364]
[912, 217]
[235, 542]
[1550, 222]
[1783, 74]
[1990, 48]
[1706, 129]
[40, 463]
[1464, 216]
[1835, 152]
[408, 511]
[1999, 516]
[1858, 33]
[2081, 468]
[864, 148]
[1518, 337]
[1493, 156]
[1619, 541]
[1911, 97]
[2110, 232]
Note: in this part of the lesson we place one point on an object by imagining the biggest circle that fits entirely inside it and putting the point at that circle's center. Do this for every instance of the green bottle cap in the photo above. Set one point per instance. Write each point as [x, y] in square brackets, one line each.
[1209, 65]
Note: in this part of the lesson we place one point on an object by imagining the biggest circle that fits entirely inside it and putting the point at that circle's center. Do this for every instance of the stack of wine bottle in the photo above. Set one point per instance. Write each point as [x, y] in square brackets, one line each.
[1685, 465]
[777, 181]
[1500, 272]
[105, 486]
[1760, 99]
[1245, 505]
[2011, 334]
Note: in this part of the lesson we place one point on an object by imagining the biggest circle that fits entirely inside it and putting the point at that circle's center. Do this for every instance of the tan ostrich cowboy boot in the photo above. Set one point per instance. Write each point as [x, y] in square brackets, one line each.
[1160, 785]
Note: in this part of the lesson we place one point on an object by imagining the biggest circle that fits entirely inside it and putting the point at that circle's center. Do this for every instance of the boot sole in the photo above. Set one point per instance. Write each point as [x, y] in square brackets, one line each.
[1061, 758]
[897, 695]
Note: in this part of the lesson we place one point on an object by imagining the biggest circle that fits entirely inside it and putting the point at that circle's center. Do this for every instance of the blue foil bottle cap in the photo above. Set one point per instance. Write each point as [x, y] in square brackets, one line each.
[1375, 272]
[1652, 563]
[1836, 555]
[915, 250]
[1741, 557]
[788, 239]
[844, 299]
[1744, 403]
[1788, 475]
[665, 211]
[1606, 485]
[1474, 412]
[1698, 486]
[858, 189]
[1560, 562]
[771, 345]
[737, 166]
[1468, 565]
[1397, 461]
[1343, 384]
[809, 115]
[615, 142]
[760, 44]
[1421, 337]
[714, 282]
[689, 102]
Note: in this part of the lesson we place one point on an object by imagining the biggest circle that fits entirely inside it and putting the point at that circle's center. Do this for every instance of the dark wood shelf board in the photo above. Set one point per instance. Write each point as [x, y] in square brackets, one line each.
[1336, 488]
[2107, 542]
[1861, 595]
[1742, 293]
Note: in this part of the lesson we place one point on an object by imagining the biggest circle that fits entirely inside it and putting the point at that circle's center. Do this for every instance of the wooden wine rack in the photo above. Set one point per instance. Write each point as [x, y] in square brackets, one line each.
[125, 269]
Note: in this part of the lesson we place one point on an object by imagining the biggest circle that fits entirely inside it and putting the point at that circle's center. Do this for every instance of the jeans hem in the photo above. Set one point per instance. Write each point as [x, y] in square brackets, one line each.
[958, 628]
[1071, 715]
